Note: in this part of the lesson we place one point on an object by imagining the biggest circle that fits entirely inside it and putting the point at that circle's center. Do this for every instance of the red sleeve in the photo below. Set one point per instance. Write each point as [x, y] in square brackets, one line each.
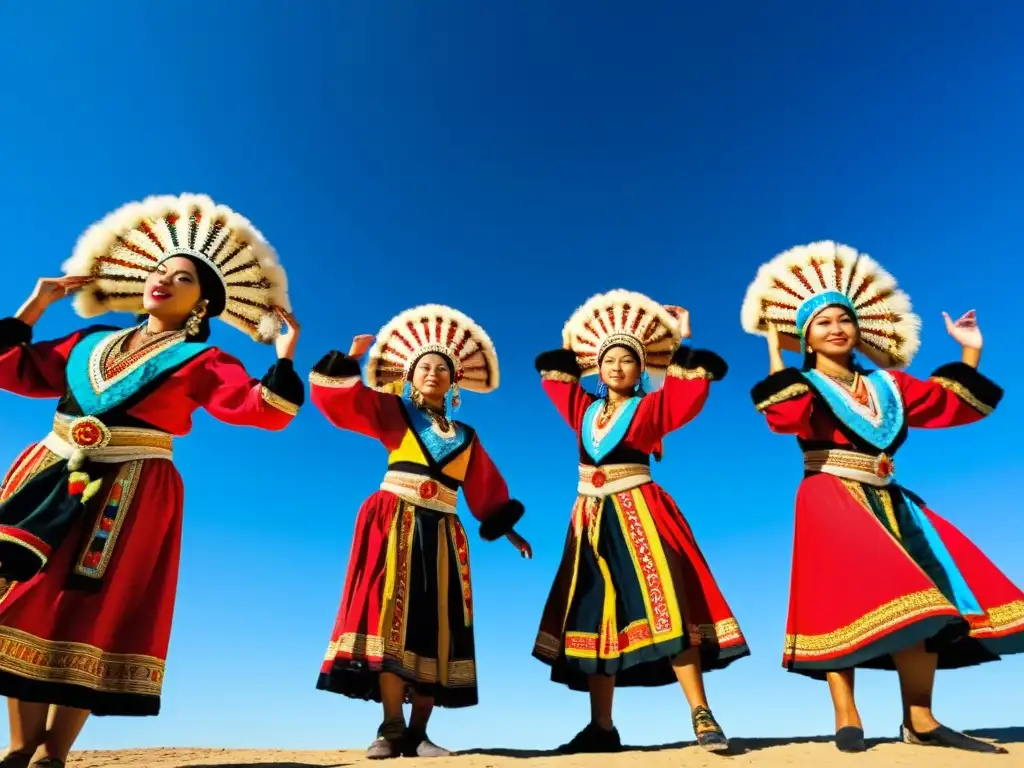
[35, 370]
[336, 389]
[786, 401]
[954, 395]
[226, 390]
[560, 378]
[487, 495]
[686, 389]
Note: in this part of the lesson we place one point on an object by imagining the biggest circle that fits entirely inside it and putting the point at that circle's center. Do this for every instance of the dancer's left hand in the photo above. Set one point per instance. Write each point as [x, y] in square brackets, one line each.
[521, 544]
[682, 319]
[965, 330]
[289, 337]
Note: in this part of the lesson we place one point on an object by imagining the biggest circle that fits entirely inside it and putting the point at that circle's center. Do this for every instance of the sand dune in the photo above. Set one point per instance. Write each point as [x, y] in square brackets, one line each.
[769, 753]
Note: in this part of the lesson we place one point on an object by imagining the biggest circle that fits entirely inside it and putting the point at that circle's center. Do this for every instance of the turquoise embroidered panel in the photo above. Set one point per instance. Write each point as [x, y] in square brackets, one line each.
[96, 394]
[601, 447]
[880, 429]
[440, 448]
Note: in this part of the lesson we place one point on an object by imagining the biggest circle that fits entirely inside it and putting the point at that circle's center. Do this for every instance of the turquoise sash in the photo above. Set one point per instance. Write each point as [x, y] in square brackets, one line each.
[599, 449]
[880, 429]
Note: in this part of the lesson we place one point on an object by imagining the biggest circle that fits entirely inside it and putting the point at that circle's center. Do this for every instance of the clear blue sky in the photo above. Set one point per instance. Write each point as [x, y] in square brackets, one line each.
[512, 158]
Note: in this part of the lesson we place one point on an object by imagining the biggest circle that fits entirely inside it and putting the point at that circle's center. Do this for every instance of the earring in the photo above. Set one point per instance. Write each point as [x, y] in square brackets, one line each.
[602, 390]
[456, 397]
[194, 324]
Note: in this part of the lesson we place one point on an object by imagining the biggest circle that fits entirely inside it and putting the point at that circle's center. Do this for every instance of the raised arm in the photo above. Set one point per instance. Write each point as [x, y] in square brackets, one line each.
[224, 388]
[786, 401]
[487, 496]
[687, 385]
[560, 377]
[336, 389]
[35, 370]
[954, 395]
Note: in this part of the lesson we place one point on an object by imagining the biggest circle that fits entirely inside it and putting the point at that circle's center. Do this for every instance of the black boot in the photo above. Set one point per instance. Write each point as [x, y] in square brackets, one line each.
[850, 738]
[389, 740]
[593, 739]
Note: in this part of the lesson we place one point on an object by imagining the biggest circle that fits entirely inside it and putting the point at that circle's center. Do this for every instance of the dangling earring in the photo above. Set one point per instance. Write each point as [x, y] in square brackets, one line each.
[643, 383]
[456, 397]
[194, 323]
[602, 389]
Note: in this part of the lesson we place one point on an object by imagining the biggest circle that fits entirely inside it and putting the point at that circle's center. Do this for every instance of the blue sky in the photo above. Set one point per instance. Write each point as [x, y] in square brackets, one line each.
[512, 158]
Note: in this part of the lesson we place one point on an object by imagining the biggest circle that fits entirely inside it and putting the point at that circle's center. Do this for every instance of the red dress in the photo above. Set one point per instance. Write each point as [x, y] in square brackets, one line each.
[874, 570]
[407, 605]
[633, 589]
[89, 556]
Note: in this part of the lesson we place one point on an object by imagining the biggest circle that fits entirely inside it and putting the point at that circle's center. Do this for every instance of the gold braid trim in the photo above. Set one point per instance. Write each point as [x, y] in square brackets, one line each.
[679, 372]
[1008, 615]
[566, 378]
[963, 393]
[278, 402]
[320, 380]
[790, 392]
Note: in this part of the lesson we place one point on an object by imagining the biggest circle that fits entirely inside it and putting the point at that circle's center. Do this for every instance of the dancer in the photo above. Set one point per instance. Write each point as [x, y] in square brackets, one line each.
[404, 631]
[879, 580]
[633, 602]
[90, 517]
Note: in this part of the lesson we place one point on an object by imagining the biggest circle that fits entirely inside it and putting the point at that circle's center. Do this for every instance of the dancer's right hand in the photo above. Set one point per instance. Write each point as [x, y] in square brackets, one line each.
[50, 290]
[360, 345]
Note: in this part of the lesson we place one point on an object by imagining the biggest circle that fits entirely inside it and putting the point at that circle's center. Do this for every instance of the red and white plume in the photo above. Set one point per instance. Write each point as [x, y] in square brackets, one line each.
[122, 249]
[433, 328]
[622, 317]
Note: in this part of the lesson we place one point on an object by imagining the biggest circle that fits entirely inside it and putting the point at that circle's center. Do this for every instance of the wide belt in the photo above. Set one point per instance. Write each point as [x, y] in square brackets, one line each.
[598, 482]
[88, 438]
[421, 491]
[872, 469]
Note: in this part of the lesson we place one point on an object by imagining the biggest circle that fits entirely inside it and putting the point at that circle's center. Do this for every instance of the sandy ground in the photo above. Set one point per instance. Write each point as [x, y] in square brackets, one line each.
[768, 753]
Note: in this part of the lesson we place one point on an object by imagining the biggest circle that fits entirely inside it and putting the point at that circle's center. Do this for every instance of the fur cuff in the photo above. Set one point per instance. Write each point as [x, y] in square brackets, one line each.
[971, 386]
[502, 520]
[689, 363]
[335, 365]
[14, 332]
[558, 361]
[283, 388]
[778, 387]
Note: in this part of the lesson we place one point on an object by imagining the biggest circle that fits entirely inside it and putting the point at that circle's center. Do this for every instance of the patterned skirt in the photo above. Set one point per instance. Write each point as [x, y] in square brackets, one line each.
[407, 607]
[632, 592]
[875, 572]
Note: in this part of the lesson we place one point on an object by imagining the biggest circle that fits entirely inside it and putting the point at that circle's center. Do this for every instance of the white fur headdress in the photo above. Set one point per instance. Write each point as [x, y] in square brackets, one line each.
[792, 288]
[438, 329]
[122, 249]
[621, 317]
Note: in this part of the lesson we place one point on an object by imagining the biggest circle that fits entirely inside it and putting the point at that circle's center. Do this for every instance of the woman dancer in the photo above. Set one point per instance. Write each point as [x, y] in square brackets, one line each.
[404, 631]
[90, 517]
[879, 580]
[633, 602]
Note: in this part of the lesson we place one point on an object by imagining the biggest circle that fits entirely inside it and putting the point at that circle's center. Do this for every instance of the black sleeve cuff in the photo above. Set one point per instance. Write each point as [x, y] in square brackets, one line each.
[283, 381]
[778, 387]
[561, 361]
[971, 386]
[689, 363]
[335, 365]
[502, 521]
[14, 332]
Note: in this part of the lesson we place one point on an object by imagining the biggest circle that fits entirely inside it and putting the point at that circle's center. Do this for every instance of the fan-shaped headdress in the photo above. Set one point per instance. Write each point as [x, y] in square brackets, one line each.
[433, 328]
[796, 285]
[123, 248]
[622, 318]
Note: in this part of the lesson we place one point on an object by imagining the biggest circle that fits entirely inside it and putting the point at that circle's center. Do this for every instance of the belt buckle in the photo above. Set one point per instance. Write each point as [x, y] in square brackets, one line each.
[88, 433]
[598, 479]
[428, 490]
[884, 466]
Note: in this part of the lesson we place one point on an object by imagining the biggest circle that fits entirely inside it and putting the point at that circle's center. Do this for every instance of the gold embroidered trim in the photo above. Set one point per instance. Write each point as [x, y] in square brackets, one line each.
[51, 661]
[871, 625]
[566, 378]
[964, 394]
[278, 402]
[790, 392]
[1006, 616]
[679, 372]
[320, 380]
[423, 669]
[119, 499]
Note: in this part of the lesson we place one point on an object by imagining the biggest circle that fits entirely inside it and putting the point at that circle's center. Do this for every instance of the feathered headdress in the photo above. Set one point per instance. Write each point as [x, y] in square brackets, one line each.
[794, 286]
[439, 329]
[122, 249]
[622, 318]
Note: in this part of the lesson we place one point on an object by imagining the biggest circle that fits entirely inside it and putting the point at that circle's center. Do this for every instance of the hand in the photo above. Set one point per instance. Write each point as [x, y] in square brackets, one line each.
[521, 544]
[965, 330]
[50, 290]
[360, 345]
[289, 338]
[682, 319]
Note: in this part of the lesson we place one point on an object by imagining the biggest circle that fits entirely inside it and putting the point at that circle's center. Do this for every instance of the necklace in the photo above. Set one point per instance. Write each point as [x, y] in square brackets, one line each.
[604, 418]
[444, 426]
[853, 383]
